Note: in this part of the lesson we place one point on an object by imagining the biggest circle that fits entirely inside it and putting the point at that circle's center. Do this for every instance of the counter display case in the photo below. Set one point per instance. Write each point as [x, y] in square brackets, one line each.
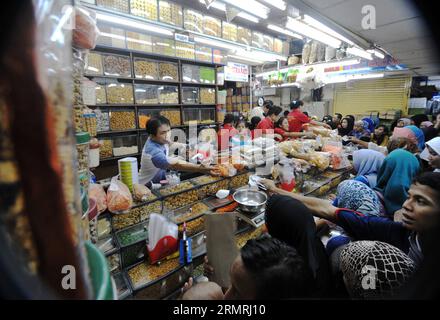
[133, 243]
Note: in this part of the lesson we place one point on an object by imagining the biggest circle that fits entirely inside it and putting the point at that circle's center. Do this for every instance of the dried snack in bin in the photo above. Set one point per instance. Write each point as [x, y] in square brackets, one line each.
[191, 212]
[168, 71]
[144, 8]
[119, 198]
[118, 5]
[146, 69]
[207, 96]
[104, 227]
[101, 97]
[193, 227]
[242, 238]
[122, 120]
[181, 199]
[117, 66]
[170, 13]
[114, 262]
[139, 41]
[124, 220]
[106, 149]
[173, 116]
[144, 273]
[239, 180]
[94, 64]
[212, 26]
[120, 93]
[185, 50]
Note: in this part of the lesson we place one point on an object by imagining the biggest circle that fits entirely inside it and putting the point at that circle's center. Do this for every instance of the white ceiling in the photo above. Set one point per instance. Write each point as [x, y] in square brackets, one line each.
[400, 29]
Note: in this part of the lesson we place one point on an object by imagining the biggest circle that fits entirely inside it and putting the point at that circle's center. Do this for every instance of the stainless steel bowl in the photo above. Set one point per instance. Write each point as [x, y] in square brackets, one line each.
[252, 201]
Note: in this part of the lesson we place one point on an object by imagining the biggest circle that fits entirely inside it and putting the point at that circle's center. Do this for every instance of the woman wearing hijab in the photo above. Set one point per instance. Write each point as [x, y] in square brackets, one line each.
[432, 154]
[291, 221]
[370, 123]
[356, 196]
[418, 119]
[360, 130]
[393, 269]
[394, 179]
[403, 122]
[346, 126]
[419, 136]
[367, 163]
[380, 136]
[429, 130]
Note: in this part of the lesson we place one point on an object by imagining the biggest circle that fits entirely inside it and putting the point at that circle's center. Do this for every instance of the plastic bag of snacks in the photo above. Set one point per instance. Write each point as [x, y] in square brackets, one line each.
[86, 32]
[141, 192]
[119, 198]
[162, 237]
[97, 192]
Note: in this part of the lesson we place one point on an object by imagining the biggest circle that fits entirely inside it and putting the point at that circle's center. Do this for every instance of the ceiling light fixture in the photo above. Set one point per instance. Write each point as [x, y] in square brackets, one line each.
[313, 33]
[133, 24]
[318, 25]
[284, 31]
[250, 6]
[222, 7]
[245, 58]
[377, 53]
[360, 53]
[346, 78]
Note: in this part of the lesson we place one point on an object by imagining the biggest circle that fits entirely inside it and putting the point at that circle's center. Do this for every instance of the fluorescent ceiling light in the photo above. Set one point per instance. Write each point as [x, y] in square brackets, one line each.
[216, 43]
[133, 24]
[284, 31]
[259, 55]
[222, 7]
[318, 25]
[341, 79]
[360, 53]
[245, 58]
[340, 63]
[280, 4]
[310, 32]
[250, 6]
[377, 53]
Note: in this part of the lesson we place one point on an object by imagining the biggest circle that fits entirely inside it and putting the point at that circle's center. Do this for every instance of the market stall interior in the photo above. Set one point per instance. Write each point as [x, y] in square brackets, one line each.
[215, 79]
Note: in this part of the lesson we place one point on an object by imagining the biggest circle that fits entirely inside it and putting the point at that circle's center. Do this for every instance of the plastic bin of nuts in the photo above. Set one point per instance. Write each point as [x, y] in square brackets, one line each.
[106, 148]
[157, 281]
[139, 41]
[146, 69]
[114, 262]
[94, 64]
[119, 93]
[111, 37]
[173, 115]
[178, 196]
[125, 145]
[191, 115]
[116, 65]
[242, 238]
[212, 26]
[133, 243]
[268, 43]
[104, 227]
[257, 40]
[100, 94]
[207, 96]
[117, 5]
[122, 120]
[194, 226]
[164, 47]
[168, 71]
[185, 50]
[190, 95]
[209, 185]
[102, 119]
[188, 213]
[146, 94]
[207, 75]
[122, 285]
[239, 180]
[203, 54]
[193, 20]
[190, 73]
[170, 13]
[144, 8]
[168, 95]
[138, 213]
[229, 31]
[244, 35]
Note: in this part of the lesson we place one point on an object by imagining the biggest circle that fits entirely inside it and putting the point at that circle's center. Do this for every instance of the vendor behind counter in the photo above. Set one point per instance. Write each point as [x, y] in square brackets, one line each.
[155, 155]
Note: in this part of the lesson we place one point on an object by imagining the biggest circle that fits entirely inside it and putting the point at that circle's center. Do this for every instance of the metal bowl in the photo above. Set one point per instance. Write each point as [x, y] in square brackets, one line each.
[252, 201]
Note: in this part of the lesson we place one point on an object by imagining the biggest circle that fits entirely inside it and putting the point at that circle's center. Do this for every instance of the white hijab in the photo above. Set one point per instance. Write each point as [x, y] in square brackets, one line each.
[434, 144]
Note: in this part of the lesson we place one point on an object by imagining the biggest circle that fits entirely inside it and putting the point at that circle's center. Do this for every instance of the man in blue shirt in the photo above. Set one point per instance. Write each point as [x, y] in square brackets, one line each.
[420, 214]
[155, 154]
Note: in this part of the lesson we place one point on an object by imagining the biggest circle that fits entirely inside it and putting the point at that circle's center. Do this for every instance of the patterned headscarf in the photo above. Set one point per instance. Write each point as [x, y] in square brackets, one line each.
[357, 196]
[420, 136]
[374, 270]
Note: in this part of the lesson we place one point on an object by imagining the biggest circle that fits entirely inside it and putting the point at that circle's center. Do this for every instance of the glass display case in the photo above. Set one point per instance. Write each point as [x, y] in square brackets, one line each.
[191, 116]
[267, 43]
[164, 46]
[104, 226]
[229, 31]
[203, 54]
[139, 41]
[125, 145]
[107, 245]
[207, 115]
[144, 138]
[106, 148]
[207, 75]
[102, 119]
[144, 8]
[257, 40]
[188, 213]
[190, 95]
[146, 94]
[133, 243]
[116, 65]
[168, 95]
[168, 71]
[185, 50]
[219, 56]
[207, 95]
[122, 285]
[117, 5]
[146, 69]
[119, 93]
[94, 64]
[100, 94]
[179, 195]
[110, 36]
[121, 119]
[190, 73]
[193, 20]
[170, 13]
[212, 26]
[244, 35]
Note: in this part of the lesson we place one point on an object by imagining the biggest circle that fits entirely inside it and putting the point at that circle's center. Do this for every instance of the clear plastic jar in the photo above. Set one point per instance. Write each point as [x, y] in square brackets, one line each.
[82, 147]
